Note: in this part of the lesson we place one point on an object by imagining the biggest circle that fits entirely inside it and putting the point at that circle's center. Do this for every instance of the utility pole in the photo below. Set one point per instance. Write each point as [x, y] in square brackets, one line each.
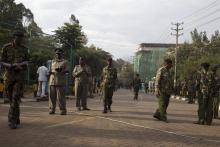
[177, 33]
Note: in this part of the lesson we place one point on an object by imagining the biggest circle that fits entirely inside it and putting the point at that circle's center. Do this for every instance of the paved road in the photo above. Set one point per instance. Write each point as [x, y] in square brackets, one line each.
[129, 125]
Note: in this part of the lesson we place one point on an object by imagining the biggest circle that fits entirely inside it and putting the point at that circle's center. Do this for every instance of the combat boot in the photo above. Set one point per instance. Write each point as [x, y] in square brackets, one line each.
[109, 108]
[105, 110]
[164, 119]
[63, 112]
[157, 115]
[12, 126]
[52, 112]
[18, 122]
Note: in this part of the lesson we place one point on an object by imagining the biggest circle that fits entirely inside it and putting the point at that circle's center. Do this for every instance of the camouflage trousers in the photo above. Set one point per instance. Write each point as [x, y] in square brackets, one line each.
[216, 106]
[163, 101]
[14, 90]
[205, 111]
[107, 96]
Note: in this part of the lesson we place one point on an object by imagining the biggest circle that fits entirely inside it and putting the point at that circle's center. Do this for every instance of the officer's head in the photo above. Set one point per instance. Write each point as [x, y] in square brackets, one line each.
[59, 53]
[137, 75]
[168, 63]
[109, 60]
[18, 37]
[205, 66]
[81, 61]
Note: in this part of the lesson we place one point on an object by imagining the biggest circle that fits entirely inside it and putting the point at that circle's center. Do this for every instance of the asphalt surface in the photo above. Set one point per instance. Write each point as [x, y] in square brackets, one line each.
[129, 125]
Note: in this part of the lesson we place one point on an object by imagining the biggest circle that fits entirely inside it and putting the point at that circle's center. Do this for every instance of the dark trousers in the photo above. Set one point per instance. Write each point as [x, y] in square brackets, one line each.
[57, 93]
[108, 93]
[205, 111]
[14, 90]
[136, 91]
[81, 95]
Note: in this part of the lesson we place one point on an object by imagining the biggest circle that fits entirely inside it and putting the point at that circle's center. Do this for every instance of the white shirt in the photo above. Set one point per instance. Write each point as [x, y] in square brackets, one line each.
[43, 72]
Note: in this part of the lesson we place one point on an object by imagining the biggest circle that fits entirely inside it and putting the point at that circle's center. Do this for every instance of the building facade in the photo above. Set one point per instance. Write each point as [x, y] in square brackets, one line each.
[148, 58]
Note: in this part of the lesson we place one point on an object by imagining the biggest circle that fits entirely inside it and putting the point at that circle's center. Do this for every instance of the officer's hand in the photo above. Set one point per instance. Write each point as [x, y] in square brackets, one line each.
[58, 69]
[157, 94]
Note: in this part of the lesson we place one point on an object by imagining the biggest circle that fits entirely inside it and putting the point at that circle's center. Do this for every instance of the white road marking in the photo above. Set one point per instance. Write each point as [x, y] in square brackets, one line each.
[150, 128]
[134, 125]
[68, 123]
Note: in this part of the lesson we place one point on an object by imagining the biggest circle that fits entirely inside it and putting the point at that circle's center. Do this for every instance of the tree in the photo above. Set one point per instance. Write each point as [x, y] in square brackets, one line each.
[12, 17]
[202, 49]
[71, 34]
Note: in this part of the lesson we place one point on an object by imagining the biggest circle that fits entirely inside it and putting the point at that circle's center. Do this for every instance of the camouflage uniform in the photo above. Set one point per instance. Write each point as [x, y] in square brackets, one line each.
[136, 86]
[163, 87]
[109, 80]
[57, 85]
[81, 74]
[205, 100]
[215, 94]
[14, 78]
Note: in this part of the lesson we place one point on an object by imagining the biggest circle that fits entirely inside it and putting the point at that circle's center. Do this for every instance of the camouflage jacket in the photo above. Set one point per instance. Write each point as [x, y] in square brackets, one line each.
[109, 76]
[205, 82]
[12, 54]
[164, 81]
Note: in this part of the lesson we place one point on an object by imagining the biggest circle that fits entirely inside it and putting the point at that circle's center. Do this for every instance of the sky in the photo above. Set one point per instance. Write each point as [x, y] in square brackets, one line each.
[119, 26]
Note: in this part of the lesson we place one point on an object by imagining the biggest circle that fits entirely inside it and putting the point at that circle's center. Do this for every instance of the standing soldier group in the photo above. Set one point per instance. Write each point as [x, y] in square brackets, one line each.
[15, 59]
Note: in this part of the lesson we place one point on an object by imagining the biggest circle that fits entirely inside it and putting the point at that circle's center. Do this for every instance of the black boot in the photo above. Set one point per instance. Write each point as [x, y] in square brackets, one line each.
[12, 125]
[18, 122]
[105, 110]
[109, 108]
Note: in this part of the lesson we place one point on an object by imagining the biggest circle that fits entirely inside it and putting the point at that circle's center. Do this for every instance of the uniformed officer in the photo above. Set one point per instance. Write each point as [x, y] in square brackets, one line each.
[57, 83]
[109, 79]
[205, 100]
[163, 89]
[15, 59]
[215, 87]
[81, 74]
[136, 86]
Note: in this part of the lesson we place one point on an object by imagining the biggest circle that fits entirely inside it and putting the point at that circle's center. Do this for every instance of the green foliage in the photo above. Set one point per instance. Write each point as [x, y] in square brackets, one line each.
[12, 17]
[95, 58]
[15, 16]
[202, 49]
[71, 34]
